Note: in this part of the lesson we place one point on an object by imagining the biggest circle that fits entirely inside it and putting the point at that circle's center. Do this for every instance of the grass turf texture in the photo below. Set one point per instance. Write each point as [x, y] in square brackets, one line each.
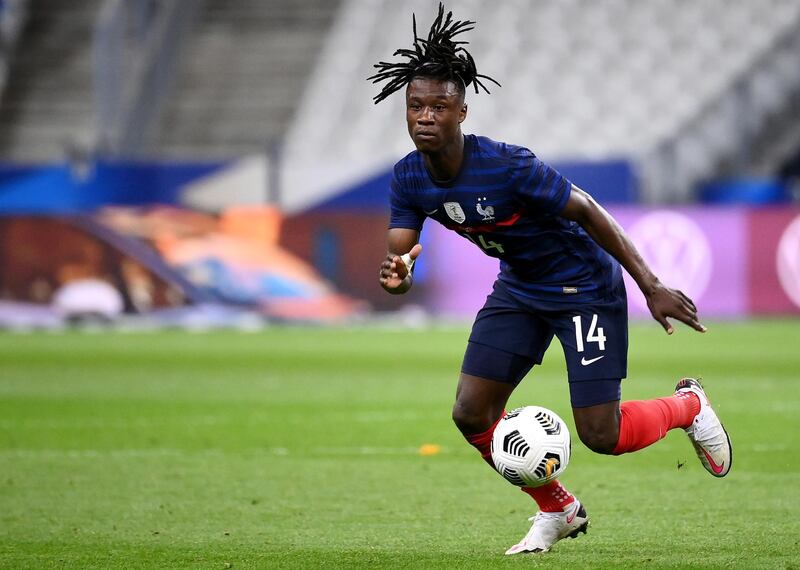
[298, 448]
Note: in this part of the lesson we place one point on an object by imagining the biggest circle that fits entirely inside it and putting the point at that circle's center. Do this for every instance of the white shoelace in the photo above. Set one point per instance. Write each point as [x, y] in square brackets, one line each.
[541, 516]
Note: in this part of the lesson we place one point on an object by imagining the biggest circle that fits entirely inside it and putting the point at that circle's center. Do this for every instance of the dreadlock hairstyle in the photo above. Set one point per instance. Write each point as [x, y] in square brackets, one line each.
[438, 57]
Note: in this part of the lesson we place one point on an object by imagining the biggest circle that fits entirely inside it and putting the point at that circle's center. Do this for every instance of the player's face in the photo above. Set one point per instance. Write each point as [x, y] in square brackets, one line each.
[434, 113]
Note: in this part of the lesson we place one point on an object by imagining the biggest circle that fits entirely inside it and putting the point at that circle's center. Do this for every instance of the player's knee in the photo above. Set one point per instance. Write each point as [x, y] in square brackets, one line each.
[599, 439]
[470, 419]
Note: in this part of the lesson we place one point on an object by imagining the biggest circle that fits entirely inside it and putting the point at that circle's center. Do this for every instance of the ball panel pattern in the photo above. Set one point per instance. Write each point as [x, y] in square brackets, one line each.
[514, 444]
[531, 446]
[512, 476]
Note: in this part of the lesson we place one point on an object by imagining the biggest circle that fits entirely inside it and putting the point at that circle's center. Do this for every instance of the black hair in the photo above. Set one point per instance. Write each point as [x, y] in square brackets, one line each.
[438, 57]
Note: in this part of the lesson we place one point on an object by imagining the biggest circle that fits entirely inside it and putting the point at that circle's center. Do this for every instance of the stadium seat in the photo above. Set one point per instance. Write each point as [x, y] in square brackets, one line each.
[581, 79]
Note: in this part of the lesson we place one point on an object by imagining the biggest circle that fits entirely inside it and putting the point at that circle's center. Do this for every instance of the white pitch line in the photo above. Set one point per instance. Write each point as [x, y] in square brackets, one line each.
[54, 423]
[171, 452]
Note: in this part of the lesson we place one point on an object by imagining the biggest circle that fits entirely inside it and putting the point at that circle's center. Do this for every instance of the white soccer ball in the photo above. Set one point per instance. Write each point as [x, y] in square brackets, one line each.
[531, 446]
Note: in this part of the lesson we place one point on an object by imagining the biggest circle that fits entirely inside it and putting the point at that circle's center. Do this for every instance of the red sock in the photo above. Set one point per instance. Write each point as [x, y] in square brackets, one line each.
[644, 422]
[483, 441]
[551, 498]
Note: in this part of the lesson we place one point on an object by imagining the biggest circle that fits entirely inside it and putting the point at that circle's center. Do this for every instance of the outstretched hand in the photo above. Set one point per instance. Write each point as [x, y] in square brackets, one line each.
[393, 270]
[664, 302]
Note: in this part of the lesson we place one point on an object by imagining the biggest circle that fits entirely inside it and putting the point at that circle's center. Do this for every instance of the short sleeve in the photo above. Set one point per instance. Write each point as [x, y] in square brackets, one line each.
[403, 213]
[537, 184]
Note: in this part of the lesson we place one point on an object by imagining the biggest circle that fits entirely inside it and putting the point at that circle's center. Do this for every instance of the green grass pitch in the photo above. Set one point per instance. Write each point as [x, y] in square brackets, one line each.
[298, 448]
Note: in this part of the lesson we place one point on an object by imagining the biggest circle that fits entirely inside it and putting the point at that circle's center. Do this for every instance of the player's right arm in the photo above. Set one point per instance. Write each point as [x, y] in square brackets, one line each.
[395, 275]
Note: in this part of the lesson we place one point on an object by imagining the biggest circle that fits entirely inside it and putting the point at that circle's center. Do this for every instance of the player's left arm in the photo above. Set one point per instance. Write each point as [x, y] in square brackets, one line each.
[662, 301]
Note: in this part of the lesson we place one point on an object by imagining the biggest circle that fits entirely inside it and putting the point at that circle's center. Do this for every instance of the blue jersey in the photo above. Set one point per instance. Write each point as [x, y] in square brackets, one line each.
[507, 202]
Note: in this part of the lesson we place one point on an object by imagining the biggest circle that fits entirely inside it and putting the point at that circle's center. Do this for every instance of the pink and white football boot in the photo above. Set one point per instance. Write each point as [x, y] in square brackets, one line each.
[707, 434]
[549, 528]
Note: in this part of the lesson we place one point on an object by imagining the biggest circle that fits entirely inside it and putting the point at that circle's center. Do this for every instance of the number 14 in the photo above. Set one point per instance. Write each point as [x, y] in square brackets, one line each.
[595, 333]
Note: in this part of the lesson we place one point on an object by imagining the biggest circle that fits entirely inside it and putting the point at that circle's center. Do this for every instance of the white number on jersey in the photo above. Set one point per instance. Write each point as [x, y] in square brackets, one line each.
[595, 333]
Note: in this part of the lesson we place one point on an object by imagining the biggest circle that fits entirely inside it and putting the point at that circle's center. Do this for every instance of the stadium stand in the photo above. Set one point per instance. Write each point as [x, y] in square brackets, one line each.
[262, 53]
[136, 48]
[582, 80]
[685, 90]
[13, 14]
[53, 56]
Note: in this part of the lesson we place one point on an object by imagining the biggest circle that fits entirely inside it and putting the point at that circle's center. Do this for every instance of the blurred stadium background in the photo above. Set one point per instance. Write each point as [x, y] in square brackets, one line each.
[218, 166]
[220, 162]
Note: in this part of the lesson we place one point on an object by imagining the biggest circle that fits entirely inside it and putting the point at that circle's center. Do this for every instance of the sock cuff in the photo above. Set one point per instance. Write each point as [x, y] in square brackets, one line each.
[692, 402]
[551, 498]
[484, 438]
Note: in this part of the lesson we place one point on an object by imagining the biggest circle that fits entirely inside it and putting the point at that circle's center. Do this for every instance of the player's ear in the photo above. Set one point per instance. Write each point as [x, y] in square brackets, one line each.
[462, 114]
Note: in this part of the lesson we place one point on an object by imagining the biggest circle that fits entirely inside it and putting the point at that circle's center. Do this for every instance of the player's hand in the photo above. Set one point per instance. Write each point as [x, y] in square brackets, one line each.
[664, 302]
[393, 271]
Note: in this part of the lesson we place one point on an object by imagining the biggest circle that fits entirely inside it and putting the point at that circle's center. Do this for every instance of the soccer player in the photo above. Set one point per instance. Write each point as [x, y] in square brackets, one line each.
[560, 254]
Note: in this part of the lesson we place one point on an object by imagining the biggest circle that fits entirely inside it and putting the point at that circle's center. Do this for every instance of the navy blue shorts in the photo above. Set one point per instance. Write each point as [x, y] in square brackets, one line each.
[511, 334]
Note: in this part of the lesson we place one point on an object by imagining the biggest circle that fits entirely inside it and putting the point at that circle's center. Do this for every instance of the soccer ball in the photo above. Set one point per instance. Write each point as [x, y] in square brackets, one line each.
[531, 446]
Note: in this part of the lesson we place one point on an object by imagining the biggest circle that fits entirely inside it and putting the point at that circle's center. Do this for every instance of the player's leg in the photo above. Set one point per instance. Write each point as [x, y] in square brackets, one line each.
[613, 428]
[597, 424]
[480, 403]
[644, 422]
[507, 340]
[595, 341]
[616, 428]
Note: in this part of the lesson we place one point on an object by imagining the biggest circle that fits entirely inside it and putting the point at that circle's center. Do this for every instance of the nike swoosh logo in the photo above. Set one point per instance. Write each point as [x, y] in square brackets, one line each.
[588, 362]
[714, 467]
[571, 517]
[432, 212]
